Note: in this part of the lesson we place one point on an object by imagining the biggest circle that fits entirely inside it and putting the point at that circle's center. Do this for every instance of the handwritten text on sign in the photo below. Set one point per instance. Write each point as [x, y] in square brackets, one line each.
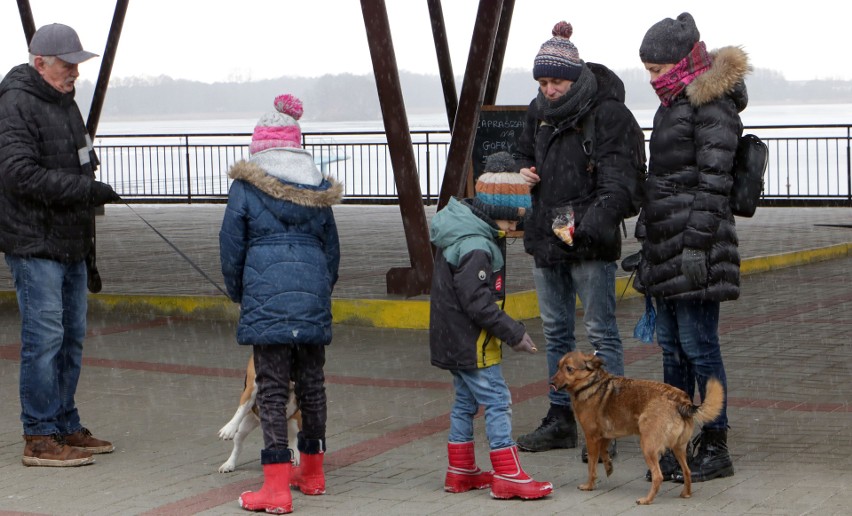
[498, 130]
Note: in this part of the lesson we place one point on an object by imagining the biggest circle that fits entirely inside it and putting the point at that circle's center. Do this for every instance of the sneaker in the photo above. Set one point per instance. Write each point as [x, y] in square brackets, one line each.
[51, 450]
[613, 452]
[557, 430]
[84, 439]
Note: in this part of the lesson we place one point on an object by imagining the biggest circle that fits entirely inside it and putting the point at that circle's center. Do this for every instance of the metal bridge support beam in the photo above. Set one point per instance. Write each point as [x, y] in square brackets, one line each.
[502, 40]
[106, 66]
[417, 279]
[473, 93]
[27, 19]
[445, 64]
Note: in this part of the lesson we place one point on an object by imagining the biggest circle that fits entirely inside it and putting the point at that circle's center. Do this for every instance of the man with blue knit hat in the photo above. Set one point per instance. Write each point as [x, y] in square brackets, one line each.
[580, 156]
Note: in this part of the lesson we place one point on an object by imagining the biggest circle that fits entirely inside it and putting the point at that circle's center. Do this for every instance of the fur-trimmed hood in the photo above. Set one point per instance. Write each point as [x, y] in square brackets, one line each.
[328, 193]
[725, 77]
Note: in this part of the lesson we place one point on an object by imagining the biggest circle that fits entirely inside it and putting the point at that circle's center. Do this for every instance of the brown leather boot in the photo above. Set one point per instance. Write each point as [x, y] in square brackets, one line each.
[83, 438]
[51, 450]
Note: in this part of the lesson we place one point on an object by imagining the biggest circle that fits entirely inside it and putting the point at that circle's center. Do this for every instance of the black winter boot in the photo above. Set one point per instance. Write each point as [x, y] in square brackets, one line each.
[668, 465]
[612, 448]
[711, 459]
[557, 430]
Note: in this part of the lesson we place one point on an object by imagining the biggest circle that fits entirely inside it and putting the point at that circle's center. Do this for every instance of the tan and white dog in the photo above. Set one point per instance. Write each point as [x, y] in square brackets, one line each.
[247, 418]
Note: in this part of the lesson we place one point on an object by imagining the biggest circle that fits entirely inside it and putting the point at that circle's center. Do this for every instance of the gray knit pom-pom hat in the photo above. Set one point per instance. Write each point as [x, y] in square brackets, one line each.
[668, 41]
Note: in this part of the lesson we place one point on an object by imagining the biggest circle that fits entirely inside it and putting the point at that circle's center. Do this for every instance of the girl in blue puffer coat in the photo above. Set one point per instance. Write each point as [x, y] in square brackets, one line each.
[280, 253]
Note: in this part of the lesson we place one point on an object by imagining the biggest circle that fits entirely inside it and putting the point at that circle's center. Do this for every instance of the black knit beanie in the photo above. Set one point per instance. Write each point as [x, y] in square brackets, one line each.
[668, 41]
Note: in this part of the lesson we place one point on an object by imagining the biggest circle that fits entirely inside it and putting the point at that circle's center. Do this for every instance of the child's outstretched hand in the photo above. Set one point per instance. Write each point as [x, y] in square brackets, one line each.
[526, 344]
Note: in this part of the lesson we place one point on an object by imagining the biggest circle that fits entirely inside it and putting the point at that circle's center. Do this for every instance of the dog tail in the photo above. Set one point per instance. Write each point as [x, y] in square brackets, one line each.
[712, 404]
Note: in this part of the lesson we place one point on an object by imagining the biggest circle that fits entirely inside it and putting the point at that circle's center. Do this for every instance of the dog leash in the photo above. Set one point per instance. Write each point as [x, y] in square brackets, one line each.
[178, 251]
[627, 285]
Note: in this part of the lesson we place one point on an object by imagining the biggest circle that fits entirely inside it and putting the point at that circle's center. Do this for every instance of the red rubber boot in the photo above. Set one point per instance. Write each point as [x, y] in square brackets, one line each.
[511, 481]
[308, 476]
[462, 473]
[274, 497]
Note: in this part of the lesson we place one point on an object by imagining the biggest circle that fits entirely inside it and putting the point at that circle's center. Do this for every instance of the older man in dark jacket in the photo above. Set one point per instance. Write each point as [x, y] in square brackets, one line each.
[597, 186]
[47, 198]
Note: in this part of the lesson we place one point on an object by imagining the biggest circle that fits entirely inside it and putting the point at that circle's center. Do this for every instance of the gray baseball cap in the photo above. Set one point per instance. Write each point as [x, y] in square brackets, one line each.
[60, 41]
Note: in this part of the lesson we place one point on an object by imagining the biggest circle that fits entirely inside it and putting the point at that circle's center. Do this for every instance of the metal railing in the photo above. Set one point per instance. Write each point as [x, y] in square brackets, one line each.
[194, 167]
[808, 164]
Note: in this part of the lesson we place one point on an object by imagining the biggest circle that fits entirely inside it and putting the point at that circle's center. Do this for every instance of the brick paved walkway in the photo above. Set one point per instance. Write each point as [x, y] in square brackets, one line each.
[160, 387]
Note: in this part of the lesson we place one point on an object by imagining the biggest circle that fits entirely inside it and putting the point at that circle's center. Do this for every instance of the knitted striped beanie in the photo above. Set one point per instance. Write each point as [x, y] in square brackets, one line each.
[279, 128]
[558, 57]
[502, 186]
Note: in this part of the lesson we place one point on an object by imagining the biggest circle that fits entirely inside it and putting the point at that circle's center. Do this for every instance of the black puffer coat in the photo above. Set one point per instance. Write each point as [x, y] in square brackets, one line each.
[45, 192]
[600, 199]
[692, 153]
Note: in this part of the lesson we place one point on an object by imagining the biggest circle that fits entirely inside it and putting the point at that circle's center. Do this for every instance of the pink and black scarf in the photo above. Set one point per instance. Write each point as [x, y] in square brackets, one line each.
[669, 85]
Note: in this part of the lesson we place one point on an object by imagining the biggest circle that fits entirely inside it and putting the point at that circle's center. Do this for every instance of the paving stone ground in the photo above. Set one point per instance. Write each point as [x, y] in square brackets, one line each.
[160, 387]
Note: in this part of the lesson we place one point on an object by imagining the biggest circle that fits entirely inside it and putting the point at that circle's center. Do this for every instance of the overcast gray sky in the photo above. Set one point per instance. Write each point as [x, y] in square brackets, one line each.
[213, 41]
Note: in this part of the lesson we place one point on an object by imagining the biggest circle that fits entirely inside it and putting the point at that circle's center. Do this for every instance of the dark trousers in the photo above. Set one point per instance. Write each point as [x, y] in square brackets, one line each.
[275, 366]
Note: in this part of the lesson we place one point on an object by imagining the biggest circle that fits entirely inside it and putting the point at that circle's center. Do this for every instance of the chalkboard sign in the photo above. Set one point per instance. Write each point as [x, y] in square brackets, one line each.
[498, 130]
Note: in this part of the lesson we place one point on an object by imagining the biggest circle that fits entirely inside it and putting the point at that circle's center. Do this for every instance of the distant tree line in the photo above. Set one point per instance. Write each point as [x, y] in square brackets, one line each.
[348, 97]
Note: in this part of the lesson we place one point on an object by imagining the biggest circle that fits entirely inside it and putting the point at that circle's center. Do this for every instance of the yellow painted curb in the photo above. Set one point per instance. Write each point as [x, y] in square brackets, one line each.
[524, 305]
[403, 314]
[794, 258]
[202, 307]
[381, 313]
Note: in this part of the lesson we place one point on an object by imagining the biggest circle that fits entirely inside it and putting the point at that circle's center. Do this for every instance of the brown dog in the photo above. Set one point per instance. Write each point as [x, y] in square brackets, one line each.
[247, 418]
[609, 407]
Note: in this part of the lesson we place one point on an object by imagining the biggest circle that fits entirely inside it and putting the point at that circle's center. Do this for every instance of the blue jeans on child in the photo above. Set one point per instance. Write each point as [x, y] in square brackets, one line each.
[688, 333]
[557, 289]
[52, 301]
[482, 387]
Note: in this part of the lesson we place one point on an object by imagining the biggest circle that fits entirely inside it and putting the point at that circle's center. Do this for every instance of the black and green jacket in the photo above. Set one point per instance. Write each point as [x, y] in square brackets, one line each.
[466, 325]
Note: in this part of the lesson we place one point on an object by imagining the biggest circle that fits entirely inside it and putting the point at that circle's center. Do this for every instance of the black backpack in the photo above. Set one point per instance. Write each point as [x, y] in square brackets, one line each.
[750, 164]
[637, 187]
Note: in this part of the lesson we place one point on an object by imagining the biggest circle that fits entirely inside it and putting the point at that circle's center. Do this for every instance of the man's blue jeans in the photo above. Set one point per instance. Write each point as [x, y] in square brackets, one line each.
[482, 387]
[557, 288]
[688, 333]
[52, 301]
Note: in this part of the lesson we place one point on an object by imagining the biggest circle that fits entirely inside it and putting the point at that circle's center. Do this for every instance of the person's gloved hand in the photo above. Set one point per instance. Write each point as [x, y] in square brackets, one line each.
[526, 344]
[693, 265]
[102, 193]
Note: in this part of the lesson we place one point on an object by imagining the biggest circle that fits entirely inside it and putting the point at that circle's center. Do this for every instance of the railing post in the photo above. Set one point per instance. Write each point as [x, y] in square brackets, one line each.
[188, 172]
[848, 168]
[428, 171]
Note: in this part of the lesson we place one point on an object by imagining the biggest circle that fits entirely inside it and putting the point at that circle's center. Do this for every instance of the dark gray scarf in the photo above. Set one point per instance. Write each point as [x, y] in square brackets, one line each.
[576, 102]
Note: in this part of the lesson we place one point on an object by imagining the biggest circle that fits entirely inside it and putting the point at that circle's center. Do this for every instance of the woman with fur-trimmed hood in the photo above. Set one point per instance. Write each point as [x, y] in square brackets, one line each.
[280, 254]
[690, 262]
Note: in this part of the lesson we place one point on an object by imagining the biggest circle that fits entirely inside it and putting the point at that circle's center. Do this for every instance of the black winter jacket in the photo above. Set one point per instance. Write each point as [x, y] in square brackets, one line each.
[692, 154]
[600, 198]
[45, 191]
